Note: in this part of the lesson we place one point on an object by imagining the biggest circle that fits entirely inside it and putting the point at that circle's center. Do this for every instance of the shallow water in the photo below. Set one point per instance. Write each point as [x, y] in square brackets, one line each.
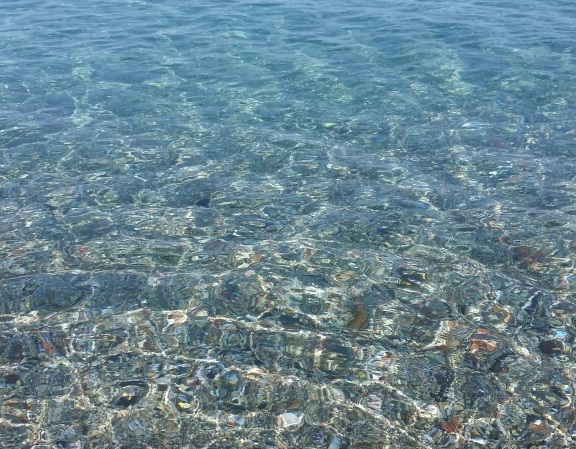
[287, 224]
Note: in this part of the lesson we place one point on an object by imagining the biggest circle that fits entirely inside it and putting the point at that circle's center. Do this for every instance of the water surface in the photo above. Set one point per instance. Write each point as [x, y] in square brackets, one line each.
[287, 224]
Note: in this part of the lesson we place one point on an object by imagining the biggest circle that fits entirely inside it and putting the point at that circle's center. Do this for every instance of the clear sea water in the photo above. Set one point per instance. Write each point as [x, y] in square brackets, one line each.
[287, 224]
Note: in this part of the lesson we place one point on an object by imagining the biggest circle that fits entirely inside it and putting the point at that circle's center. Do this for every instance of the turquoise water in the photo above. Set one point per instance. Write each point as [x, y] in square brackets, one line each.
[290, 224]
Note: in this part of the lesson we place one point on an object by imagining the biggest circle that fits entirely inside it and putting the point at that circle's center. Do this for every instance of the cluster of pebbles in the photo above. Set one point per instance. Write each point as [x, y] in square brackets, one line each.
[346, 310]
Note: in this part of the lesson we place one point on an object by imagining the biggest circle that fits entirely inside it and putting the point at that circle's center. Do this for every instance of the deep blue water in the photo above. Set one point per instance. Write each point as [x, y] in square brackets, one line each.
[287, 224]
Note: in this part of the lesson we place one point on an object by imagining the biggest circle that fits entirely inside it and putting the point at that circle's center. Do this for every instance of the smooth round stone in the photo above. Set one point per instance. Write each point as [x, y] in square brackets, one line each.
[290, 419]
